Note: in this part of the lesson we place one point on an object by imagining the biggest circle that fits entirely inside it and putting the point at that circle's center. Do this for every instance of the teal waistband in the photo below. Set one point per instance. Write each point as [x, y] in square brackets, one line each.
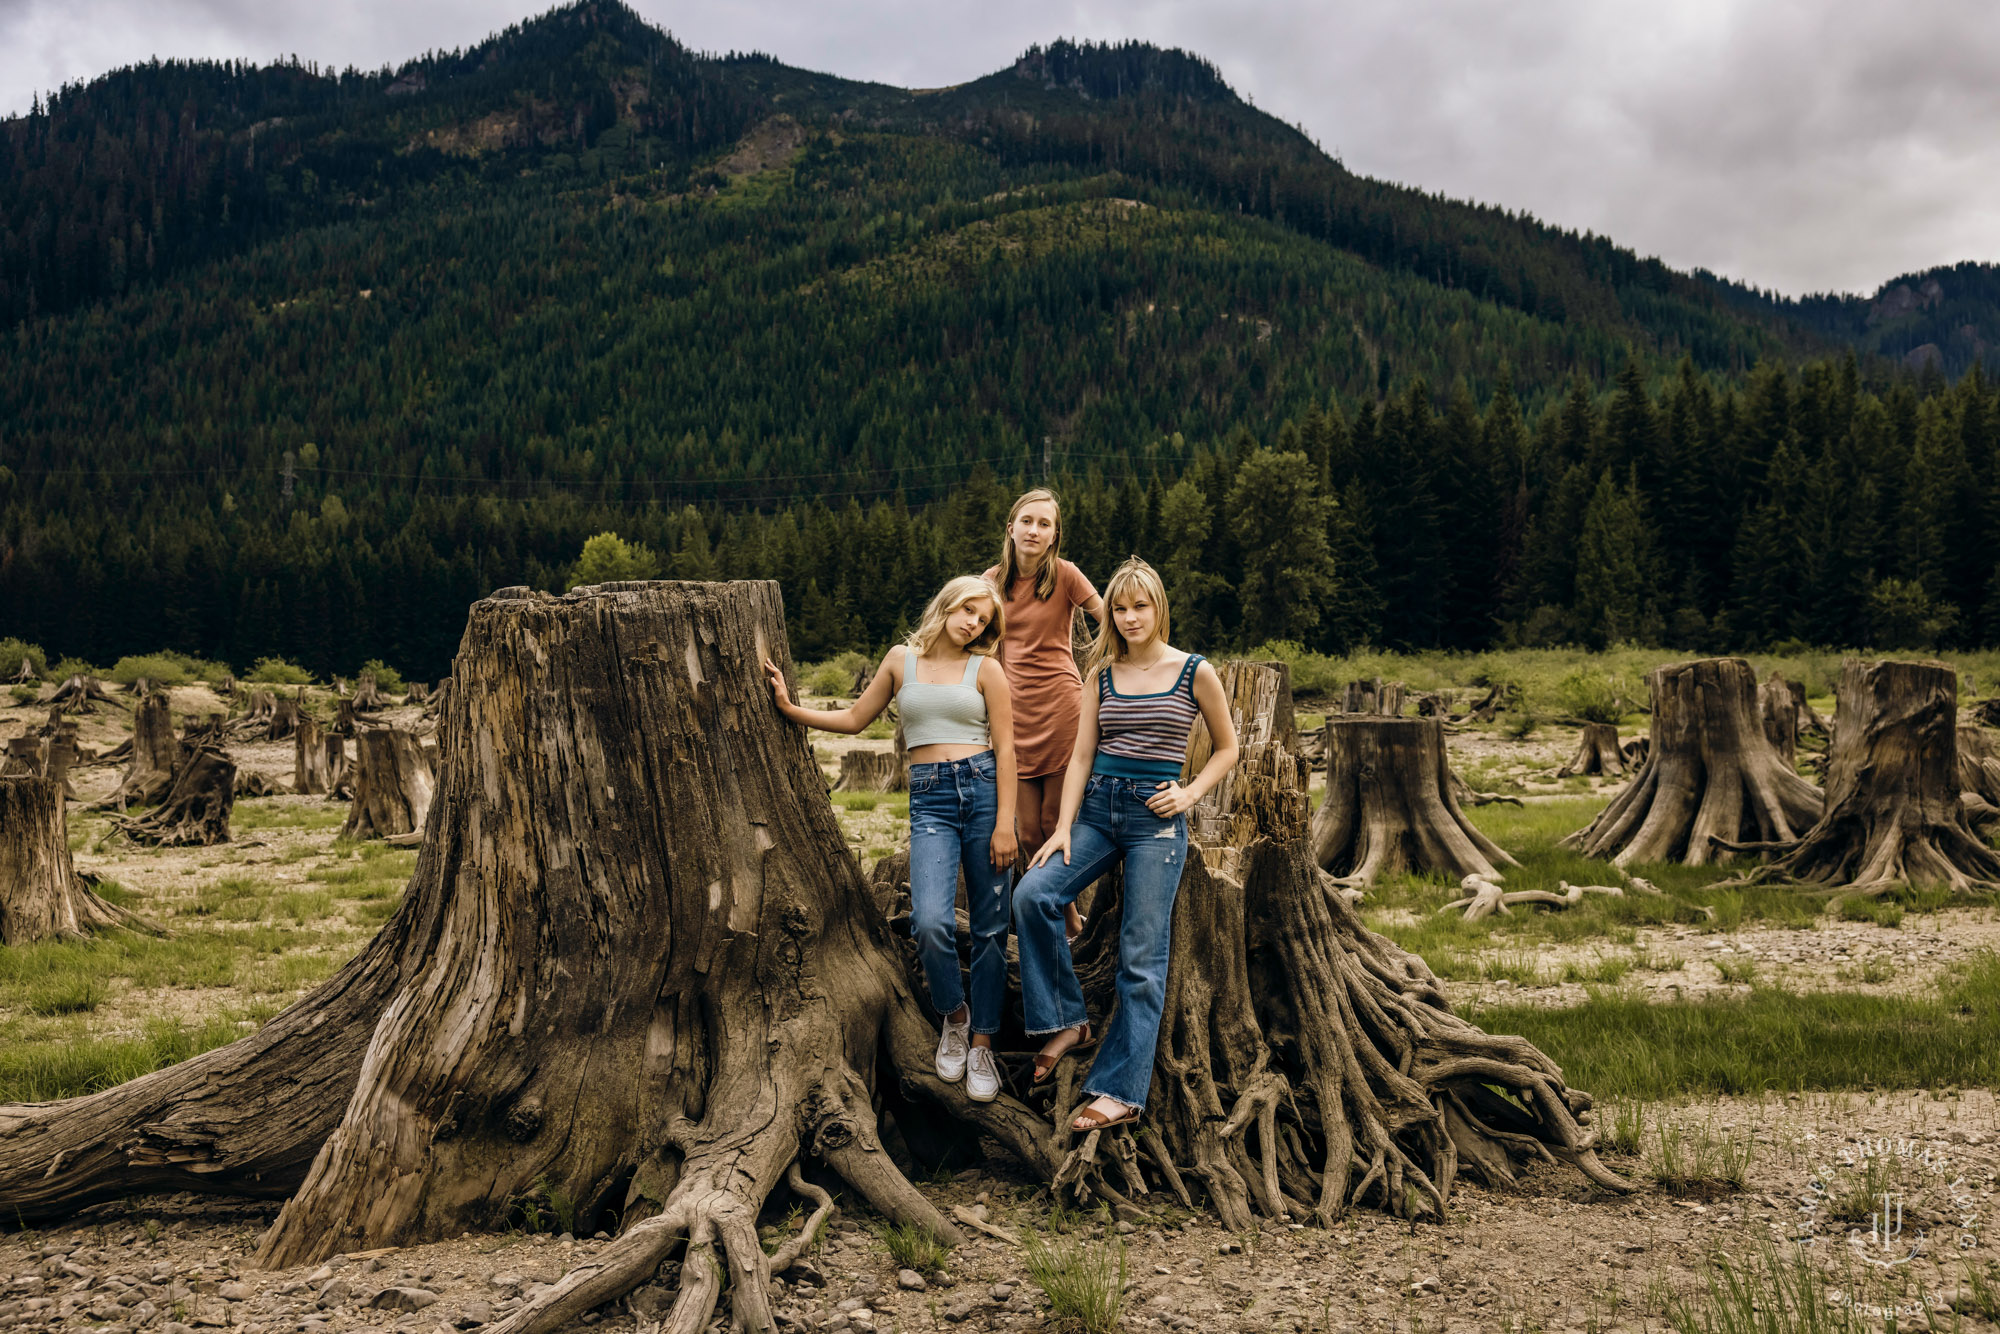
[1119, 766]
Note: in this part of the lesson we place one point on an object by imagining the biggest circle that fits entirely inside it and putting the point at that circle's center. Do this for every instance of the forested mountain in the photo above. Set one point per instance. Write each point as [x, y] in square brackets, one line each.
[1947, 318]
[300, 362]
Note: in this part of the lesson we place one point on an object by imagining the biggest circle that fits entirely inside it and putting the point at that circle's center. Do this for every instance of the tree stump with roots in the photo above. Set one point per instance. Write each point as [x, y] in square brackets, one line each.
[393, 785]
[156, 753]
[368, 695]
[41, 895]
[871, 771]
[1711, 777]
[26, 674]
[1389, 805]
[1893, 811]
[195, 811]
[25, 757]
[416, 693]
[284, 718]
[79, 694]
[1597, 752]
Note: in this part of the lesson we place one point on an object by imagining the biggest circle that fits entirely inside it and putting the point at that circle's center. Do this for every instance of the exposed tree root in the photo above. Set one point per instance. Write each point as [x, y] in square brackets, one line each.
[1487, 898]
[1390, 805]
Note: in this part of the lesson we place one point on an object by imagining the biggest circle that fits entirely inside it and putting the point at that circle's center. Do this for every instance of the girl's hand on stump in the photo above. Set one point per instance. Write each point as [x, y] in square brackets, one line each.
[1004, 847]
[1172, 799]
[777, 681]
[1058, 842]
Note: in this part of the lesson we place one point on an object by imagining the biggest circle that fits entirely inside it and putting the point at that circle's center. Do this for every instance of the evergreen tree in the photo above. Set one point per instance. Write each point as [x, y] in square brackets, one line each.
[1280, 517]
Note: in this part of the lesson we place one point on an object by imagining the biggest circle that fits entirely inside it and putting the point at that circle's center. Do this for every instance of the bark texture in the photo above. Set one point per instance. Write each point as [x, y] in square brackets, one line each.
[312, 765]
[871, 771]
[368, 695]
[1390, 807]
[1374, 696]
[393, 785]
[416, 693]
[1893, 813]
[1711, 777]
[79, 694]
[1779, 710]
[41, 895]
[1597, 752]
[284, 718]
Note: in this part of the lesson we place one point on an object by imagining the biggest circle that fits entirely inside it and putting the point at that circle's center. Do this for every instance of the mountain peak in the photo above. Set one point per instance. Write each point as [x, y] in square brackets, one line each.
[1106, 70]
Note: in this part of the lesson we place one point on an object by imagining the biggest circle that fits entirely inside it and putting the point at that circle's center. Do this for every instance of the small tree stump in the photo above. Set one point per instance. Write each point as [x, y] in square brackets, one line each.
[62, 755]
[41, 895]
[26, 757]
[256, 783]
[368, 695]
[1389, 805]
[155, 755]
[1778, 709]
[393, 785]
[79, 694]
[871, 771]
[27, 674]
[1893, 815]
[312, 766]
[1500, 695]
[416, 693]
[344, 721]
[1374, 697]
[195, 811]
[1597, 752]
[256, 721]
[1711, 779]
[284, 718]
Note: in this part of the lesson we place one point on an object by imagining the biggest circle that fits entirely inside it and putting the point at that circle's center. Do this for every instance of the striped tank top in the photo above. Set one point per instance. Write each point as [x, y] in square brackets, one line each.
[1145, 736]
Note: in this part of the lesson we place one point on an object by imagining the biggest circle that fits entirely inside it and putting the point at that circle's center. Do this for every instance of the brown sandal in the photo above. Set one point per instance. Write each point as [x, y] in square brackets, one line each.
[1045, 1063]
[1094, 1120]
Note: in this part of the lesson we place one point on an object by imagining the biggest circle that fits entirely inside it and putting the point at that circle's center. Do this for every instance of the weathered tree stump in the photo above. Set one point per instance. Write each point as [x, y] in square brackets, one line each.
[312, 765]
[416, 693]
[1259, 695]
[1978, 776]
[284, 718]
[1389, 805]
[1778, 709]
[1597, 752]
[1500, 695]
[1893, 815]
[1636, 750]
[1712, 777]
[1807, 721]
[1374, 697]
[368, 695]
[156, 753]
[62, 755]
[393, 785]
[79, 694]
[1307, 1066]
[26, 675]
[26, 757]
[256, 720]
[195, 811]
[871, 771]
[41, 895]
[256, 783]
[226, 687]
[344, 721]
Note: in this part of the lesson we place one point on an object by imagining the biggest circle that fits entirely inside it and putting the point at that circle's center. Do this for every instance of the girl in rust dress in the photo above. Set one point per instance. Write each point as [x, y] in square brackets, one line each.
[1042, 591]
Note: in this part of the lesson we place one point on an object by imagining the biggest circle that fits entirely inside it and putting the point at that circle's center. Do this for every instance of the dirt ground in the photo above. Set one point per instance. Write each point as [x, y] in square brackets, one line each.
[1555, 1255]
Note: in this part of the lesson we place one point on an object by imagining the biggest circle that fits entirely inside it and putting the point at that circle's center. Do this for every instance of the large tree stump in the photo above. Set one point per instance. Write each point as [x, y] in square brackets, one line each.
[393, 785]
[1597, 752]
[368, 695]
[1259, 695]
[1389, 805]
[79, 694]
[871, 771]
[1893, 814]
[156, 754]
[41, 895]
[1307, 1066]
[195, 811]
[312, 764]
[1711, 777]
[256, 721]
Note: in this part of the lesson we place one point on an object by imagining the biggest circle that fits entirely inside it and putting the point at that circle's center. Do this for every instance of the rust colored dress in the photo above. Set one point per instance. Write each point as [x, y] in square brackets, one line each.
[1041, 671]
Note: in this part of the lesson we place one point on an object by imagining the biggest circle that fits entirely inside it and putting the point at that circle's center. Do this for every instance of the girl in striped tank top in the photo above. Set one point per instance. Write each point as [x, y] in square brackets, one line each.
[1122, 800]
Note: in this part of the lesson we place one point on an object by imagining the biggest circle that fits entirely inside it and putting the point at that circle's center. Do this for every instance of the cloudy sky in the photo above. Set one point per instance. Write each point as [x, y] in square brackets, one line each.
[1802, 145]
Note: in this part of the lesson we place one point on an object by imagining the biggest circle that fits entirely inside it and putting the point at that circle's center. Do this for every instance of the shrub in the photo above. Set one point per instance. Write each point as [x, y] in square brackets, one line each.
[69, 667]
[835, 676]
[278, 672]
[609, 558]
[386, 677]
[12, 650]
[1595, 697]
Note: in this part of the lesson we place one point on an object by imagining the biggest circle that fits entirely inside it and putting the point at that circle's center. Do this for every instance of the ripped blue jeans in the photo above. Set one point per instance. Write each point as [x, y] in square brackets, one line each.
[953, 805]
[1114, 822]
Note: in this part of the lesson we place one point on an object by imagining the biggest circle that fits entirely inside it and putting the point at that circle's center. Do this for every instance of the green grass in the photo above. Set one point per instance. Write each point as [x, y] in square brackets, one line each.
[47, 1070]
[1084, 1281]
[288, 815]
[914, 1248]
[1623, 1047]
[67, 993]
[1770, 1293]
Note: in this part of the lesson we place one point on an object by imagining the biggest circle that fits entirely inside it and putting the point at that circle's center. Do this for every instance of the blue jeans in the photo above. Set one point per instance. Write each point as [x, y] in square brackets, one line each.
[953, 805]
[1112, 823]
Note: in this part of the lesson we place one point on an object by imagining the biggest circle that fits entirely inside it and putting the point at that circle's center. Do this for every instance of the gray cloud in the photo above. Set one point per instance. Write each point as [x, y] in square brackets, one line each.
[1802, 145]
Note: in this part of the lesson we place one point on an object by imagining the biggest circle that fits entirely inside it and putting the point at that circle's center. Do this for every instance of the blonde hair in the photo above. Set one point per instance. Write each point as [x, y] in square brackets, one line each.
[1010, 564]
[1134, 576]
[948, 600]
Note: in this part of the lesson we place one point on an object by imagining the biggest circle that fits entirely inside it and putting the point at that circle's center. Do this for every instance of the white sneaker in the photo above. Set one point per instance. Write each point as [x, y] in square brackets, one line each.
[952, 1046]
[982, 1076]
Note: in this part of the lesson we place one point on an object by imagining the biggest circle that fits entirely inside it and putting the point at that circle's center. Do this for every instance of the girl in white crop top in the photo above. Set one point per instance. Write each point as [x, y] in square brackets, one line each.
[958, 723]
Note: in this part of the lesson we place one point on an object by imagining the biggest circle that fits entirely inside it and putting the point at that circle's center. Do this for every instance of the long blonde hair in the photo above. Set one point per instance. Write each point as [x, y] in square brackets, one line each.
[948, 600]
[1134, 576]
[1010, 562]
